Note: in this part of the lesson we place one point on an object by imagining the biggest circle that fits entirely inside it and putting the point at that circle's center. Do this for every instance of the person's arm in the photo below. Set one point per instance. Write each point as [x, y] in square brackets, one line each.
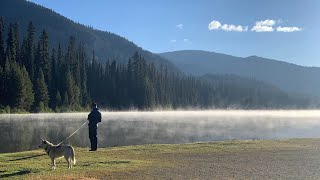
[99, 117]
[89, 117]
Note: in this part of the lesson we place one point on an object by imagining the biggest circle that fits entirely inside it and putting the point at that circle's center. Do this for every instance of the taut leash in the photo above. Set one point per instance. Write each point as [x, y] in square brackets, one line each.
[73, 132]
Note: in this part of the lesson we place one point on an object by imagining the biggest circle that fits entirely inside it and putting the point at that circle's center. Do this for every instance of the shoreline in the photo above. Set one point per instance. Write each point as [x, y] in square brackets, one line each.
[241, 159]
[169, 110]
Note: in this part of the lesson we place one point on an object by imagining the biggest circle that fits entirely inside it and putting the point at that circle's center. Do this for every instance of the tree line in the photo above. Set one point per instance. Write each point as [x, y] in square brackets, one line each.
[35, 78]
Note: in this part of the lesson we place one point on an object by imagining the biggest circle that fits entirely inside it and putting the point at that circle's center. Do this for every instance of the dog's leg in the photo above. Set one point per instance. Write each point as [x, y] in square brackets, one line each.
[53, 163]
[68, 161]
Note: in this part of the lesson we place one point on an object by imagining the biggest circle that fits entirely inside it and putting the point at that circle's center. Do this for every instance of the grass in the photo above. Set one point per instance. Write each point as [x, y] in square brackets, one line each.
[107, 162]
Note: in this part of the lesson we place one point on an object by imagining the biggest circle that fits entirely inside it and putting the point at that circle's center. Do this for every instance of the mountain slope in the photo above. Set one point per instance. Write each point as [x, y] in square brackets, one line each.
[106, 45]
[287, 76]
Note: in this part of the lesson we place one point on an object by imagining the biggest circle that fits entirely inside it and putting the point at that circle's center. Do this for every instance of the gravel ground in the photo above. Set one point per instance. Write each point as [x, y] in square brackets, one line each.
[245, 165]
[299, 161]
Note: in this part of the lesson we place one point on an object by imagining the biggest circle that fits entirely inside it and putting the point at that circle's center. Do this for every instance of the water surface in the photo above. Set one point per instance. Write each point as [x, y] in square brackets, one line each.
[23, 132]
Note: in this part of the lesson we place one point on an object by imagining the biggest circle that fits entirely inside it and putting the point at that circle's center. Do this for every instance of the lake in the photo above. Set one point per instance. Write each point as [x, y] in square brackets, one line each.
[23, 132]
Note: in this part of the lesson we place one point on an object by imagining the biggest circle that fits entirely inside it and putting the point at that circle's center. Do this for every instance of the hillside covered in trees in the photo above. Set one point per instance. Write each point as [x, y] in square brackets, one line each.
[36, 78]
[279, 73]
[107, 45]
[249, 93]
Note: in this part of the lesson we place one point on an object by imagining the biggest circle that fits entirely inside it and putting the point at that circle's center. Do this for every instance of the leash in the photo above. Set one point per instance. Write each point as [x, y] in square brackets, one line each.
[73, 133]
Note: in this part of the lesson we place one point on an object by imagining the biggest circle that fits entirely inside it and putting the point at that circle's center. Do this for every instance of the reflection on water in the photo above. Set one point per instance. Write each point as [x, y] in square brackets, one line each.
[23, 132]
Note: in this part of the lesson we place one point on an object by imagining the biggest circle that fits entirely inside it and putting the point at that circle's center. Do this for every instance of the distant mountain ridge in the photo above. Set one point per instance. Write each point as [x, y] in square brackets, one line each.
[287, 76]
[107, 46]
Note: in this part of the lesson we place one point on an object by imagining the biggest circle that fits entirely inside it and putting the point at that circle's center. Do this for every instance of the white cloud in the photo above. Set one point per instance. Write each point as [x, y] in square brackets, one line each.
[288, 29]
[264, 26]
[231, 27]
[260, 26]
[179, 26]
[268, 22]
[173, 41]
[186, 40]
[214, 25]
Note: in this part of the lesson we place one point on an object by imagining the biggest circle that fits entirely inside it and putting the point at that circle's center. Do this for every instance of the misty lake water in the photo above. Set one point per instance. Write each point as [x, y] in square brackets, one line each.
[23, 132]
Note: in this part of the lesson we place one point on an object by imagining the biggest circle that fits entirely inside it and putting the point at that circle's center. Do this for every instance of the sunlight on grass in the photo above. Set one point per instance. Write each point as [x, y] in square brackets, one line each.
[128, 159]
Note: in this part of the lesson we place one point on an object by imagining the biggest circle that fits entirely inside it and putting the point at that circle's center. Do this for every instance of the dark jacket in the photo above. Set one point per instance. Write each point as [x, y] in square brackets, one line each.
[94, 117]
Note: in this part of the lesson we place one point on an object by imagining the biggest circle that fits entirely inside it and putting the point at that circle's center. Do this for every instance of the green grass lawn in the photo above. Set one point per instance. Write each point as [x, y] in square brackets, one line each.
[107, 162]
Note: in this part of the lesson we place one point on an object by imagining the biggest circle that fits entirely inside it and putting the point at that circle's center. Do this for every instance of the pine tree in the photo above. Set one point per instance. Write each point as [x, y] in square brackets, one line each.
[130, 78]
[17, 89]
[69, 86]
[60, 70]
[92, 76]
[83, 77]
[73, 91]
[16, 33]
[43, 57]
[23, 54]
[66, 99]
[72, 59]
[139, 66]
[58, 100]
[37, 60]
[77, 66]
[54, 78]
[6, 82]
[20, 88]
[41, 91]
[2, 48]
[2, 86]
[30, 51]
[11, 43]
[29, 98]
[149, 96]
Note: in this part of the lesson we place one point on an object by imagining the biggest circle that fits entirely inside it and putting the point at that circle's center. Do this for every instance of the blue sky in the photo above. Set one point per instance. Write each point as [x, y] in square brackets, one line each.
[286, 30]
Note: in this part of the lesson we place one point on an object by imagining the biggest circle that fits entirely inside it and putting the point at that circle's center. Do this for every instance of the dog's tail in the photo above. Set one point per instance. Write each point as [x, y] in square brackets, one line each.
[73, 157]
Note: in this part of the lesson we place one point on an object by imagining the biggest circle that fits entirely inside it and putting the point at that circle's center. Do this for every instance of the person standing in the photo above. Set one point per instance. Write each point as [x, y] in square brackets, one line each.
[94, 118]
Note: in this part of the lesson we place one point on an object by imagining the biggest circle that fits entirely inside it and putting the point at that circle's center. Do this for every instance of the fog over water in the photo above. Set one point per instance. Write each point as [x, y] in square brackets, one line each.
[23, 132]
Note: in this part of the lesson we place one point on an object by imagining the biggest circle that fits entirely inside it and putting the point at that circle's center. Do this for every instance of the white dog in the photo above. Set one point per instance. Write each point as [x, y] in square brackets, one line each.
[55, 152]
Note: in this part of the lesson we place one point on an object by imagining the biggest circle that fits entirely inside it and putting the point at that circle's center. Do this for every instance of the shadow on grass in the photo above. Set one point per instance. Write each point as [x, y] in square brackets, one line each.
[19, 173]
[108, 162]
[28, 157]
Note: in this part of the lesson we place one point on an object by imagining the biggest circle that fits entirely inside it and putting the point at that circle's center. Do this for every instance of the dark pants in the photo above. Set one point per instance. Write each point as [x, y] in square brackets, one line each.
[93, 137]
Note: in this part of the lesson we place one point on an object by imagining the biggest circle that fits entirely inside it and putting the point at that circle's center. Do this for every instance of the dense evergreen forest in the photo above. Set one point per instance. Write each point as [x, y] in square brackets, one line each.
[107, 45]
[35, 78]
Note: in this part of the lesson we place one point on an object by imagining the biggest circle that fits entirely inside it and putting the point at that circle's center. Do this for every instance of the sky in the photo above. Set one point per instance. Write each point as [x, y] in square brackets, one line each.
[286, 30]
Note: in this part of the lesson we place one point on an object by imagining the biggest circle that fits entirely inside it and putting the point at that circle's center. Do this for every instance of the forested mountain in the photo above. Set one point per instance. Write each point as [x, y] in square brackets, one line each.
[249, 93]
[36, 78]
[288, 77]
[107, 46]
